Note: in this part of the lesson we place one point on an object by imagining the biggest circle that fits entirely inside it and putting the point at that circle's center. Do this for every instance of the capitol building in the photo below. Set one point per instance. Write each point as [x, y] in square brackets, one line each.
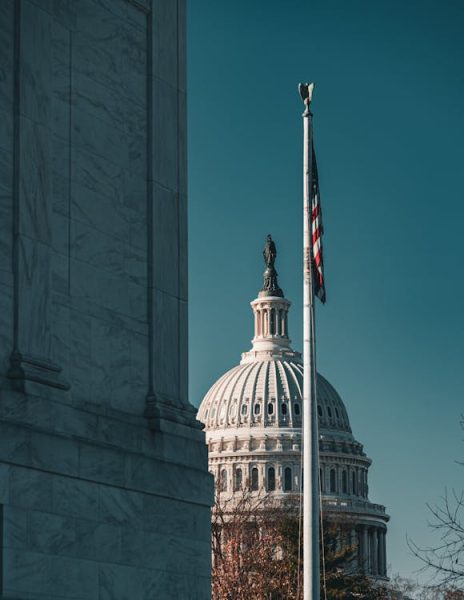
[253, 422]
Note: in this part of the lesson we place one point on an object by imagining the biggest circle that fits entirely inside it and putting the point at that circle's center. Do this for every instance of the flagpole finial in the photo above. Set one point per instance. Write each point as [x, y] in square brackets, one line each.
[306, 92]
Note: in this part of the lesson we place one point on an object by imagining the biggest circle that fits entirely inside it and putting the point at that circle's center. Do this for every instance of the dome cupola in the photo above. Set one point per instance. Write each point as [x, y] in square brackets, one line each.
[270, 310]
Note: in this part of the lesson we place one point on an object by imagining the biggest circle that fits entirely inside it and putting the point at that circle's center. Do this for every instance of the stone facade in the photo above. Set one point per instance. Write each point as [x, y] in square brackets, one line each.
[104, 488]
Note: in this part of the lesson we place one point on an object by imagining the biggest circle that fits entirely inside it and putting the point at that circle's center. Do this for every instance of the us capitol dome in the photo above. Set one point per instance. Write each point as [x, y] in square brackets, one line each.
[253, 422]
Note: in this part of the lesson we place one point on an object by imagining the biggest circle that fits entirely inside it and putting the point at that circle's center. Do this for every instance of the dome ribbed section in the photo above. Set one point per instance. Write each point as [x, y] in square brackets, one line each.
[268, 393]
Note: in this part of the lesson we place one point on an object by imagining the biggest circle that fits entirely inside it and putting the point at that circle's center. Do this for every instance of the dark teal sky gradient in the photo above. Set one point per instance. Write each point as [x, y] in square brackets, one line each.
[389, 130]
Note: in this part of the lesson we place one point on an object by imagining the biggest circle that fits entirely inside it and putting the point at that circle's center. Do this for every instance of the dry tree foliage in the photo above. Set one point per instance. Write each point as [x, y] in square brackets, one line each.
[248, 558]
[445, 560]
[257, 554]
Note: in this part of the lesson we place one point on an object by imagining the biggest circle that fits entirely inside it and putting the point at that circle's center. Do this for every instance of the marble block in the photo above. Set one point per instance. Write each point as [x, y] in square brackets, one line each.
[104, 487]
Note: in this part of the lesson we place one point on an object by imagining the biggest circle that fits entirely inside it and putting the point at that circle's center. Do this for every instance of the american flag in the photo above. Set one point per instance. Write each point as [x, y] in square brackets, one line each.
[316, 235]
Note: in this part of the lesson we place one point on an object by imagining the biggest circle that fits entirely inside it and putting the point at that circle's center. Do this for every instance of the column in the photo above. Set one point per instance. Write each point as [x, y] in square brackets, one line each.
[382, 557]
[359, 537]
[375, 552]
[354, 544]
[384, 545]
[256, 323]
[31, 361]
[365, 550]
[167, 302]
[379, 553]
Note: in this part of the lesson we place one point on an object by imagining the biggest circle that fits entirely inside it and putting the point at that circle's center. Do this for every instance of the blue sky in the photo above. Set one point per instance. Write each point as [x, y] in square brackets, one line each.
[389, 131]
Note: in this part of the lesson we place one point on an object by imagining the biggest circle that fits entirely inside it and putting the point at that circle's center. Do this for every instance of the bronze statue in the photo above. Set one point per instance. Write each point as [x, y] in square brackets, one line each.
[271, 286]
[269, 252]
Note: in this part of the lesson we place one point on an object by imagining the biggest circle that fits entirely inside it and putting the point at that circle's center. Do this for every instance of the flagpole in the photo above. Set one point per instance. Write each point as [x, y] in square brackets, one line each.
[311, 575]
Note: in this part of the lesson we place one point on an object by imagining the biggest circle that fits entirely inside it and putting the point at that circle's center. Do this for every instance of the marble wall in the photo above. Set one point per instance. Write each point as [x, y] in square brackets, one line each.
[104, 489]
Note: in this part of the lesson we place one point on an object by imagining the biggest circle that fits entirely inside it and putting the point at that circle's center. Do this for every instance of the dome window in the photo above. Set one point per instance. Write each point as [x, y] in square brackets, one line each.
[223, 482]
[344, 483]
[238, 480]
[244, 410]
[254, 479]
[271, 480]
[270, 409]
[333, 481]
[283, 409]
[329, 412]
[288, 479]
[319, 410]
[336, 413]
[297, 408]
[257, 409]
[213, 413]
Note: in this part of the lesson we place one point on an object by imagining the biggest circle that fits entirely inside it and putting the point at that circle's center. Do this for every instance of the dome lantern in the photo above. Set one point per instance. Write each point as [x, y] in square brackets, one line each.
[270, 310]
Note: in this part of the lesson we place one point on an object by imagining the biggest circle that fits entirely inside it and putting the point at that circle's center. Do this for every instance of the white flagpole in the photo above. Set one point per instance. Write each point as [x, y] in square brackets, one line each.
[311, 575]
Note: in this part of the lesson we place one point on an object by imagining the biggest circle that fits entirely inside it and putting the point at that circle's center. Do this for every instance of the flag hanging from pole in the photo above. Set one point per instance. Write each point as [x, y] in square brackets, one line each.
[316, 235]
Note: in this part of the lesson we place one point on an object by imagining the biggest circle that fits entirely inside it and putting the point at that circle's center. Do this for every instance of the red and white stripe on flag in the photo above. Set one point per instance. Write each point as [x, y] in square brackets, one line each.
[316, 236]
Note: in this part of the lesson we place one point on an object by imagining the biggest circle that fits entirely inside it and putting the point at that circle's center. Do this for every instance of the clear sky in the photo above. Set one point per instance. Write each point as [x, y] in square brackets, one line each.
[389, 130]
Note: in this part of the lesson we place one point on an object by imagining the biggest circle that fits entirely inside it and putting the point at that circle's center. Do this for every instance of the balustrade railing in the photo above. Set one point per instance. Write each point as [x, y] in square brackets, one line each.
[343, 505]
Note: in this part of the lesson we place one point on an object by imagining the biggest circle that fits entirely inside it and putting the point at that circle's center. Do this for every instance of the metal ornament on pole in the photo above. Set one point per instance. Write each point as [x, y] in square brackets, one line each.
[311, 574]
